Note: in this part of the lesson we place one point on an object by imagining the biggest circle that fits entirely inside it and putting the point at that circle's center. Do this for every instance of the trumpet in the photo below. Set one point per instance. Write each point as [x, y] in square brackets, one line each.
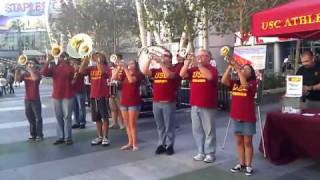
[113, 58]
[148, 53]
[225, 53]
[183, 53]
[56, 50]
[22, 60]
[80, 45]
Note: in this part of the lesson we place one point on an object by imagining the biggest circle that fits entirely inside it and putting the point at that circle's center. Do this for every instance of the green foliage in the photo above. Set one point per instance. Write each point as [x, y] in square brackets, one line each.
[235, 15]
[273, 81]
[107, 22]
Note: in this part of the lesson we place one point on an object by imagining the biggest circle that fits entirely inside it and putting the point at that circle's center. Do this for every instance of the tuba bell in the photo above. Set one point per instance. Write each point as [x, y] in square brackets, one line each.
[22, 60]
[80, 45]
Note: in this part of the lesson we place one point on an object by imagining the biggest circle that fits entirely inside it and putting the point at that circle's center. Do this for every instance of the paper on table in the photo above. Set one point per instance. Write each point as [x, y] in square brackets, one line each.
[308, 114]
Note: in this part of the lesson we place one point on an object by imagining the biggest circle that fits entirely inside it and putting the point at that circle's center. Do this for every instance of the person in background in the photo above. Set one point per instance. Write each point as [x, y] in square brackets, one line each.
[80, 96]
[114, 99]
[62, 75]
[203, 79]
[310, 70]
[31, 77]
[244, 118]
[10, 79]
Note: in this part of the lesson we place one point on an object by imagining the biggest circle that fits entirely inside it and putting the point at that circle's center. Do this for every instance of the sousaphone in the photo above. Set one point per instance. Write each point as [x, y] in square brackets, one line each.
[79, 46]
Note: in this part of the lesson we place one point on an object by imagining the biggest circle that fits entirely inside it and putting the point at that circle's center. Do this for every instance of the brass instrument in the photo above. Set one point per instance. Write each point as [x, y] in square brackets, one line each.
[79, 46]
[148, 53]
[113, 58]
[56, 50]
[22, 60]
[183, 53]
[225, 52]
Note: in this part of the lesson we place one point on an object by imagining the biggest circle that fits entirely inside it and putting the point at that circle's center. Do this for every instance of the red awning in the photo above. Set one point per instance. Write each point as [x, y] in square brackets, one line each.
[295, 19]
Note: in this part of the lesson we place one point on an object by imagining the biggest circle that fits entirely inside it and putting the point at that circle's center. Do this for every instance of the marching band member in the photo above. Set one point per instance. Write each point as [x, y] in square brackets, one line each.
[99, 93]
[130, 101]
[79, 108]
[114, 99]
[164, 101]
[63, 93]
[243, 113]
[32, 102]
[203, 99]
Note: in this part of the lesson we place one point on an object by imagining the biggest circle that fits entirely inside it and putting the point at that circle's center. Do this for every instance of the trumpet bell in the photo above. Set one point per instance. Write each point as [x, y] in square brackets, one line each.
[183, 52]
[145, 55]
[56, 50]
[22, 60]
[79, 46]
[113, 58]
[224, 51]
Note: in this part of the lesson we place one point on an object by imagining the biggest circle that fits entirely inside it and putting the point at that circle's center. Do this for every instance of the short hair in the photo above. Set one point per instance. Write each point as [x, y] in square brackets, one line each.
[119, 55]
[307, 53]
[170, 54]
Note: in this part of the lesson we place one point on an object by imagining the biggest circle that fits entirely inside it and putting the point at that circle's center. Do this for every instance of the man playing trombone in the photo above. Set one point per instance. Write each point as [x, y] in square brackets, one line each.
[31, 77]
[164, 100]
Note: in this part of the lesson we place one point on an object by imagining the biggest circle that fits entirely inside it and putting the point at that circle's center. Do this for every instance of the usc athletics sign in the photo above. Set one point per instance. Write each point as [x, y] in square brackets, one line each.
[296, 19]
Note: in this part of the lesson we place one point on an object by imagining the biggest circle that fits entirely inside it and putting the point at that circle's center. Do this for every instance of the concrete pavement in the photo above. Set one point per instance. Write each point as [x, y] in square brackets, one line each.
[20, 159]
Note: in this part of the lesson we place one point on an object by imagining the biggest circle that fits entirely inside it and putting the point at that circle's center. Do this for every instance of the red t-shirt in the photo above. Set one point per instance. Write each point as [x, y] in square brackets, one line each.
[177, 68]
[79, 86]
[31, 87]
[203, 92]
[242, 102]
[99, 87]
[130, 92]
[62, 75]
[164, 89]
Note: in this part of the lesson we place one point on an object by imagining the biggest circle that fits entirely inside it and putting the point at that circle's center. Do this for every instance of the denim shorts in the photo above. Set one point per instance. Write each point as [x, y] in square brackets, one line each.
[244, 128]
[130, 108]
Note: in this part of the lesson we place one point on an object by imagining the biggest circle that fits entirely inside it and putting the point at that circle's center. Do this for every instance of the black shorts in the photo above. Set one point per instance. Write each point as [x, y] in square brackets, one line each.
[99, 109]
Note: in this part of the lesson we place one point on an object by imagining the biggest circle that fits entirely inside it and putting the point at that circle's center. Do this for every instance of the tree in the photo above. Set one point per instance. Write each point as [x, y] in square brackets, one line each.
[235, 15]
[111, 24]
[18, 25]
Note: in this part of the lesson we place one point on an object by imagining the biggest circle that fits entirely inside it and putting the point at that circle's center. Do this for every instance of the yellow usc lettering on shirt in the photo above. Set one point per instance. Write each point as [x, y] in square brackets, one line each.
[160, 78]
[239, 91]
[198, 77]
[96, 74]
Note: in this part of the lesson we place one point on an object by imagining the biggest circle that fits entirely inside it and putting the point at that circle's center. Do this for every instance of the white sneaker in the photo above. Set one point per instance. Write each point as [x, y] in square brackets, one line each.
[209, 158]
[199, 157]
[248, 171]
[105, 142]
[96, 141]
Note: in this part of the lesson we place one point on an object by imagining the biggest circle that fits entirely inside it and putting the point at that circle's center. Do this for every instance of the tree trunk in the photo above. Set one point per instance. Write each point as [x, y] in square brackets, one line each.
[157, 37]
[149, 35]
[141, 24]
[183, 40]
[241, 20]
[205, 28]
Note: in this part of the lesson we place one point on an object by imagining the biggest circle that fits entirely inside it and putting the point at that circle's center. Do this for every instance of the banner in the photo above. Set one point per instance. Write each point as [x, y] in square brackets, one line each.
[31, 13]
[254, 55]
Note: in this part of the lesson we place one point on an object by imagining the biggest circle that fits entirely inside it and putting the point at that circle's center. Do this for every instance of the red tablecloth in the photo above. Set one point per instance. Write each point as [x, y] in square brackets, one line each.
[291, 136]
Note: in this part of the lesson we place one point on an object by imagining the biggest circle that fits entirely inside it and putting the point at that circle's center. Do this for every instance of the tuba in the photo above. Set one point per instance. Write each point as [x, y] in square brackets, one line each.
[147, 53]
[79, 46]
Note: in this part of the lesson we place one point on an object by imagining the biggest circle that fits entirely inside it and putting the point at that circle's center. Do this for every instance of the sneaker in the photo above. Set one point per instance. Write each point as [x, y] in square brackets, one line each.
[32, 138]
[39, 138]
[237, 168]
[82, 126]
[160, 150]
[135, 148]
[96, 141]
[126, 147]
[209, 158]
[105, 142]
[248, 171]
[59, 141]
[68, 142]
[170, 150]
[75, 126]
[199, 157]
